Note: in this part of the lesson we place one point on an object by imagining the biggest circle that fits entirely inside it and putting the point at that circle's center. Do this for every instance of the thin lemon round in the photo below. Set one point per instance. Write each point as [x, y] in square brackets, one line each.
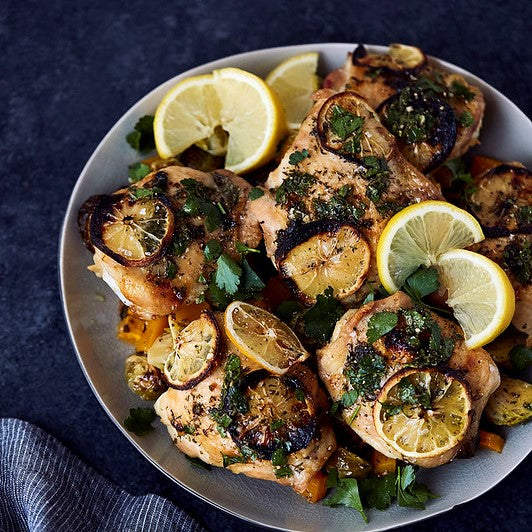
[262, 337]
[237, 101]
[422, 413]
[418, 235]
[294, 80]
[480, 294]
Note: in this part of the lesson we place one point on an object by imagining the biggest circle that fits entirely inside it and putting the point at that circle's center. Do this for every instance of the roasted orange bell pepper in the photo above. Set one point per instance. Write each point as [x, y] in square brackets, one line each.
[491, 441]
[382, 464]
[317, 488]
[141, 333]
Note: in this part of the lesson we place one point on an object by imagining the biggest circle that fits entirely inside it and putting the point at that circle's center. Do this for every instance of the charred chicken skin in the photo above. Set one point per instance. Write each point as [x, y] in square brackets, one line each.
[351, 363]
[434, 115]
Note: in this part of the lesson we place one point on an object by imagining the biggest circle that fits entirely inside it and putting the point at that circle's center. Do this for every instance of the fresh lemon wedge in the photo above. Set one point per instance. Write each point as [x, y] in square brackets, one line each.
[262, 337]
[236, 101]
[422, 412]
[294, 80]
[480, 294]
[418, 235]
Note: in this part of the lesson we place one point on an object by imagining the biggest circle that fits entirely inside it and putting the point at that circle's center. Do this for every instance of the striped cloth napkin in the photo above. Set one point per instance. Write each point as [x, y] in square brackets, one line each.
[44, 487]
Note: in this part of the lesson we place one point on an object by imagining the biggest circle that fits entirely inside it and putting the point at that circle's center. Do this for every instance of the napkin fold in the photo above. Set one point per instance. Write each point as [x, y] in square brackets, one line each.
[44, 487]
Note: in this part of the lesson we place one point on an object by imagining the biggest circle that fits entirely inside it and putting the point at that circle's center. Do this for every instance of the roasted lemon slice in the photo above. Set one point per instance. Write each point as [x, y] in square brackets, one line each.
[194, 352]
[279, 415]
[133, 232]
[422, 412]
[407, 57]
[320, 254]
[418, 235]
[294, 80]
[510, 403]
[349, 127]
[263, 338]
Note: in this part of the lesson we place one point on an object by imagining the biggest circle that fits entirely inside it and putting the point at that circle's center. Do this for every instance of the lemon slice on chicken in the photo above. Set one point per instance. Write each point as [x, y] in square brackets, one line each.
[241, 104]
[294, 80]
[422, 413]
[263, 337]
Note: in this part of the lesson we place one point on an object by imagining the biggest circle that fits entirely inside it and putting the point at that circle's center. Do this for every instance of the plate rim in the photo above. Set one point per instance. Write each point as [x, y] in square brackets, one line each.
[62, 258]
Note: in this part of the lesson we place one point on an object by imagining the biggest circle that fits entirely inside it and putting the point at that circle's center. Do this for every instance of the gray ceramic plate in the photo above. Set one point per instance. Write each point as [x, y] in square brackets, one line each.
[92, 323]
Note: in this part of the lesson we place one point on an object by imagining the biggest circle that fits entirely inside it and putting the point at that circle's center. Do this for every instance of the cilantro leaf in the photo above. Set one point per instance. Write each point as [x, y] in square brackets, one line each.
[199, 203]
[332, 478]
[297, 156]
[349, 398]
[141, 193]
[320, 319]
[296, 183]
[466, 119]
[251, 283]
[520, 356]
[227, 276]
[421, 283]
[213, 249]
[378, 492]
[255, 193]
[380, 324]
[346, 494]
[138, 171]
[141, 138]
[461, 91]
[409, 492]
[139, 420]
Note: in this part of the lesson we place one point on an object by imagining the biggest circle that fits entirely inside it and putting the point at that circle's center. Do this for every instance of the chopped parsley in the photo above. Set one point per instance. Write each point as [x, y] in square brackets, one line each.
[255, 193]
[338, 207]
[280, 463]
[320, 319]
[348, 127]
[408, 394]
[244, 250]
[170, 270]
[364, 369]
[196, 462]
[466, 119]
[199, 203]
[379, 324]
[138, 171]
[459, 90]
[377, 174]
[460, 175]
[213, 249]
[180, 241]
[296, 183]
[297, 156]
[518, 258]
[141, 193]
[141, 138]
[140, 420]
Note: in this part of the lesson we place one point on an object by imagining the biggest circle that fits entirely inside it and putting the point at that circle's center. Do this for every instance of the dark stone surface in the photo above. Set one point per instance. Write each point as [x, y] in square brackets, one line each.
[70, 70]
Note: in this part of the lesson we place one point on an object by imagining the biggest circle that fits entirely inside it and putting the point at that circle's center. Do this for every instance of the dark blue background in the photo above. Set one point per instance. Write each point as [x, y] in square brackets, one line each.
[71, 69]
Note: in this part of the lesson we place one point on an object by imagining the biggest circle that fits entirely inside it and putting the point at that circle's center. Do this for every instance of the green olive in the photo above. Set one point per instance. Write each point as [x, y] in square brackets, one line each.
[144, 379]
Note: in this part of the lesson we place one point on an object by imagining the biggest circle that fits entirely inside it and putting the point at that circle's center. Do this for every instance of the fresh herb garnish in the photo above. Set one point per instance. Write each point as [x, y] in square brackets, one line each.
[296, 183]
[348, 127]
[277, 424]
[198, 203]
[460, 175]
[171, 270]
[255, 193]
[244, 250]
[408, 394]
[297, 156]
[230, 460]
[346, 494]
[138, 171]
[518, 258]
[380, 324]
[288, 309]
[141, 138]
[227, 275]
[421, 283]
[377, 174]
[459, 90]
[364, 369]
[196, 462]
[466, 119]
[300, 394]
[320, 319]
[141, 193]
[338, 207]
[280, 463]
[349, 398]
[213, 249]
[222, 420]
[180, 241]
[139, 420]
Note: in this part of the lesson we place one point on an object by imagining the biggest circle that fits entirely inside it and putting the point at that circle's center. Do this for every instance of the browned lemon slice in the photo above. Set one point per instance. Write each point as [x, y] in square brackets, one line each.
[322, 254]
[422, 412]
[133, 232]
[407, 57]
[348, 126]
[195, 350]
[263, 337]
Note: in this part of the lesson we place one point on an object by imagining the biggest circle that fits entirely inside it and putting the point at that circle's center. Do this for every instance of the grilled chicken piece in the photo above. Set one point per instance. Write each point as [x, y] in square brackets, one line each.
[435, 116]
[320, 188]
[501, 202]
[207, 206]
[249, 441]
[349, 339]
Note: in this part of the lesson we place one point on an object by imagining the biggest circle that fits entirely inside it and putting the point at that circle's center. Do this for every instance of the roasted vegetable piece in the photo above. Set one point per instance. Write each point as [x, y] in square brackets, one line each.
[133, 232]
[501, 200]
[320, 254]
[141, 333]
[501, 347]
[349, 127]
[349, 464]
[480, 164]
[317, 488]
[511, 403]
[382, 464]
[143, 378]
[279, 414]
[196, 349]
[490, 441]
